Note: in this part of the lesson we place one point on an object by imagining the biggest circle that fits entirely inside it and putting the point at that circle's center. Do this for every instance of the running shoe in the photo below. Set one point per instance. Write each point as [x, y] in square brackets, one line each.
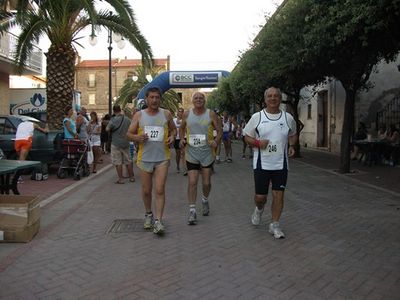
[256, 216]
[205, 208]
[192, 220]
[276, 231]
[148, 221]
[158, 227]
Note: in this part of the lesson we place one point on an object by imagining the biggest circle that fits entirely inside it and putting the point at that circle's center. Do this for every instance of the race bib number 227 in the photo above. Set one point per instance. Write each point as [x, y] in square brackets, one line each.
[155, 133]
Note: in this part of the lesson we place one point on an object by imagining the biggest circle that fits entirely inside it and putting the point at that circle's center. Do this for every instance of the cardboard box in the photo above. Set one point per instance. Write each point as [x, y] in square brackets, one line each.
[19, 234]
[17, 210]
[19, 217]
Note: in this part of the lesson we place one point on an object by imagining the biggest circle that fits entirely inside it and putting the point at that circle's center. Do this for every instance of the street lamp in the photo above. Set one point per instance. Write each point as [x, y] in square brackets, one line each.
[121, 44]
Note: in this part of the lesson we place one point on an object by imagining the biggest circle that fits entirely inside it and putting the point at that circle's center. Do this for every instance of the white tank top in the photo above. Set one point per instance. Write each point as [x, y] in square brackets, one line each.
[276, 129]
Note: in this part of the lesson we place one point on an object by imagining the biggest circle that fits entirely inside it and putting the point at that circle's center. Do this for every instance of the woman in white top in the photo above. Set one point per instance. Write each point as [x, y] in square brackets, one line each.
[94, 132]
[24, 136]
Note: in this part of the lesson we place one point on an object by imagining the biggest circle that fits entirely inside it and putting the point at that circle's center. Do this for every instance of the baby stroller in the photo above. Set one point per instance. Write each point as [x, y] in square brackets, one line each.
[74, 160]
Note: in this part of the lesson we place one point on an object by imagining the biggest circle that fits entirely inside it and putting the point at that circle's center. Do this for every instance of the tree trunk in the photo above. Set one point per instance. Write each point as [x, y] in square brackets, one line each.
[347, 129]
[294, 104]
[60, 83]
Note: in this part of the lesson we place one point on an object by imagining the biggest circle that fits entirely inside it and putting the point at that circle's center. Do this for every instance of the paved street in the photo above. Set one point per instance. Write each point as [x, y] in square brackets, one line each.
[343, 242]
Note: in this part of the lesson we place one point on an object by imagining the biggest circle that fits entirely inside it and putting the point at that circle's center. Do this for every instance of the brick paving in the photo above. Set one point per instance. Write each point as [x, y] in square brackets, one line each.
[53, 185]
[342, 242]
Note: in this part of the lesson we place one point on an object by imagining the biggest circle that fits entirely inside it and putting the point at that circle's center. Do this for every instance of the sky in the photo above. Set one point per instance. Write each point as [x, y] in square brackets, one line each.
[198, 35]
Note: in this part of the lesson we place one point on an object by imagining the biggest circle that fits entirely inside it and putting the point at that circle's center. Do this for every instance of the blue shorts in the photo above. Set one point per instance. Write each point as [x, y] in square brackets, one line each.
[226, 136]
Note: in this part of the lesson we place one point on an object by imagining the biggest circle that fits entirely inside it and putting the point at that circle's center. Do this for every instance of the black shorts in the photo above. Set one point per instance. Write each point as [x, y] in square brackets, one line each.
[176, 144]
[192, 166]
[262, 179]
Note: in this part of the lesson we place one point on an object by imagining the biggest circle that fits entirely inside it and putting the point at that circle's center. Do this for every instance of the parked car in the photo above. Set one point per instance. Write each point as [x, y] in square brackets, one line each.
[46, 147]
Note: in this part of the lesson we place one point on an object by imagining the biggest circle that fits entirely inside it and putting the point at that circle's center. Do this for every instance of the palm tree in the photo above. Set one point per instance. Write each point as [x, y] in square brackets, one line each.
[61, 21]
[131, 88]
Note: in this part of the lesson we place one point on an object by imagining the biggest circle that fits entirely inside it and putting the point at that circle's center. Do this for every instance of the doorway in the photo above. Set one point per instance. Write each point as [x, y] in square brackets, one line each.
[322, 121]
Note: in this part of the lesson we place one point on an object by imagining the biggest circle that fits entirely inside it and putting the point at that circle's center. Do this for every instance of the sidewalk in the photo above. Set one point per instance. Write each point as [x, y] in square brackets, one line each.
[382, 176]
[342, 241]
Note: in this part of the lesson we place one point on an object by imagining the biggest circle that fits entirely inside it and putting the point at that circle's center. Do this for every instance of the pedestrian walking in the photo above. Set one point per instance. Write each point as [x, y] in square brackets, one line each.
[272, 134]
[154, 129]
[120, 153]
[198, 124]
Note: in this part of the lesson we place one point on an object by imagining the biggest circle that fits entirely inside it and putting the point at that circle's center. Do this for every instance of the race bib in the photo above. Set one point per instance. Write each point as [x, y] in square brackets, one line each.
[273, 148]
[155, 133]
[197, 140]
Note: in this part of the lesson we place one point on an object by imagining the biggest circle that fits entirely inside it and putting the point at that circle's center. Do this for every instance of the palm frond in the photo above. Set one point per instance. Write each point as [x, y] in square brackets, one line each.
[31, 32]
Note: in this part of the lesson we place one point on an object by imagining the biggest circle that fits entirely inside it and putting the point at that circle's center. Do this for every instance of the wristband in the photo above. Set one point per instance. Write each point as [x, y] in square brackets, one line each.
[292, 145]
[257, 143]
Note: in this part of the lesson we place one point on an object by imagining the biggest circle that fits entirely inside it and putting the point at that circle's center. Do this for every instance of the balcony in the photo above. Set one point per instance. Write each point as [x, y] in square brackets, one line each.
[34, 64]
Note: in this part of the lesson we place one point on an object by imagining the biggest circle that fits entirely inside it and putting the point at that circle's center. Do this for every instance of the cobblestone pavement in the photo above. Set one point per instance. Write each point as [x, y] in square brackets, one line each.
[342, 242]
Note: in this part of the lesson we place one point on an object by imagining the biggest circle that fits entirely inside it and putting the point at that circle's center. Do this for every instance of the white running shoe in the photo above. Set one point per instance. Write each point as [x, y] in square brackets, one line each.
[158, 227]
[276, 231]
[148, 221]
[192, 219]
[256, 216]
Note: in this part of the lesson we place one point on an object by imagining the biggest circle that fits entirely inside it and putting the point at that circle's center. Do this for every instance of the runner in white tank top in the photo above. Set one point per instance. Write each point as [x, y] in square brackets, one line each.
[269, 132]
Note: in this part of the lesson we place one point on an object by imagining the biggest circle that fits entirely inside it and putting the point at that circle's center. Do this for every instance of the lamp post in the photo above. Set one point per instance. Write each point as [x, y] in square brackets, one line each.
[121, 44]
[109, 73]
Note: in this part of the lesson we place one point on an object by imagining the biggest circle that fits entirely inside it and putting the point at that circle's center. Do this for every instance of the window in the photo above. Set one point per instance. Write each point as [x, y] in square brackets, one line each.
[92, 80]
[92, 99]
[309, 109]
[6, 127]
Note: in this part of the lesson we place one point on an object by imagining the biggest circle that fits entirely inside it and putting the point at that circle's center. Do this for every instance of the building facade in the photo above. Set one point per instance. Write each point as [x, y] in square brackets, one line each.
[92, 80]
[33, 66]
[322, 108]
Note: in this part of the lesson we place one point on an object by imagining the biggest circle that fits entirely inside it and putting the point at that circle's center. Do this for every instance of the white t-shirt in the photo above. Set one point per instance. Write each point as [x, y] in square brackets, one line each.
[24, 131]
[273, 127]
